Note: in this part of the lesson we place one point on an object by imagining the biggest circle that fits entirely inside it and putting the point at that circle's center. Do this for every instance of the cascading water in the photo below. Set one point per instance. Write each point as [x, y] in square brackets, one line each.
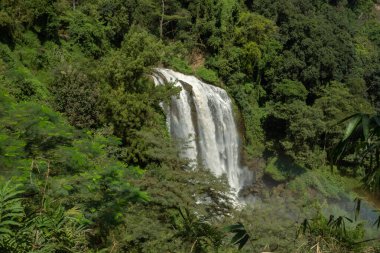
[202, 116]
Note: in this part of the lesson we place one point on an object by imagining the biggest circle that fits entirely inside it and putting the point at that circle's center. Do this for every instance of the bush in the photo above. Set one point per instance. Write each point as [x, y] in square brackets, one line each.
[325, 183]
[207, 75]
[180, 65]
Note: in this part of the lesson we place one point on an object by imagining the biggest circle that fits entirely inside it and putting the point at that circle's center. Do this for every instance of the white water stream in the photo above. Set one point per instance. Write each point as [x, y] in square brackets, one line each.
[202, 117]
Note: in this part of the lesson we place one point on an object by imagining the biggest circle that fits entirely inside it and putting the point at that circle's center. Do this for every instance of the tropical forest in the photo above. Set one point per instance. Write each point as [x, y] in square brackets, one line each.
[189, 126]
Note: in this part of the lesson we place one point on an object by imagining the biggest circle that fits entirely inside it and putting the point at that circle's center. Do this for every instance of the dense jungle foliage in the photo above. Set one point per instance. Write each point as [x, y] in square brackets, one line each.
[86, 161]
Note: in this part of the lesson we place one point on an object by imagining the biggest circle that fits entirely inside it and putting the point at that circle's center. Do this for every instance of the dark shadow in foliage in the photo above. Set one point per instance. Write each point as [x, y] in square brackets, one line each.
[275, 128]
[281, 169]
[6, 29]
[286, 166]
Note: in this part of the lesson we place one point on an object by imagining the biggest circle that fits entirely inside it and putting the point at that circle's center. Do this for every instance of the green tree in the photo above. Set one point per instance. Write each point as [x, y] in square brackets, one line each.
[78, 96]
[138, 53]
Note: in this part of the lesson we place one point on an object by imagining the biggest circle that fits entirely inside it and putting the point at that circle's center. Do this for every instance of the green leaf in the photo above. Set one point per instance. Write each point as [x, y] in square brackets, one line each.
[237, 237]
[377, 222]
[10, 222]
[241, 235]
[243, 241]
[349, 219]
[365, 125]
[352, 126]
[5, 231]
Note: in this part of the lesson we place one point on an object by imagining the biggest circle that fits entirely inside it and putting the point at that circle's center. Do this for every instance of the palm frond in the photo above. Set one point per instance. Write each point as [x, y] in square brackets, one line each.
[241, 236]
[11, 209]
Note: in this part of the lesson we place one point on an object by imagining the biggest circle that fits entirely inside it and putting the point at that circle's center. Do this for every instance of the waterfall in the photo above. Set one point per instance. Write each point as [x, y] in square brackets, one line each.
[202, 116]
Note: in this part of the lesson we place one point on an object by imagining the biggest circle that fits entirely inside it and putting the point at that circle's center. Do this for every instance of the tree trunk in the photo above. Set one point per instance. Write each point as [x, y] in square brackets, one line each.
[162, 18]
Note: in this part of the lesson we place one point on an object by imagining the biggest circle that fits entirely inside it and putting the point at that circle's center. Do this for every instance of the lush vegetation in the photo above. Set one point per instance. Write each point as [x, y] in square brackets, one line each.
[87, 164]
